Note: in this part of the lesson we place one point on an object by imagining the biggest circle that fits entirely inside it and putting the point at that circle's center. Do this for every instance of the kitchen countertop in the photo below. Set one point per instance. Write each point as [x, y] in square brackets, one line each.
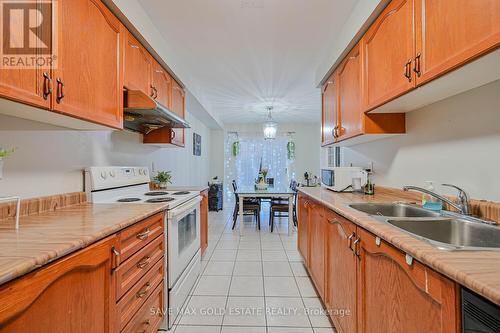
[45, 237]
[187, 188]
[476, 270]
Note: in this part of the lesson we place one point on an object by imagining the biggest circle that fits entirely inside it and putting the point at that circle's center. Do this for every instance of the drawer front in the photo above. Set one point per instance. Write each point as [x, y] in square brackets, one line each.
[139, 293]
[150, 315]
[139, 235]
[134, 268]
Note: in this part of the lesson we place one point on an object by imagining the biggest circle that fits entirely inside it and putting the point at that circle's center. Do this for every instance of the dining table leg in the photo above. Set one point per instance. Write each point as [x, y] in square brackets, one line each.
[290, 216]
[241, 215]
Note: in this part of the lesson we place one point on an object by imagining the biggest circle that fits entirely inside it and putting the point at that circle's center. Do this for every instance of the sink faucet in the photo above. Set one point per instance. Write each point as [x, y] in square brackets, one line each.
[463, 199]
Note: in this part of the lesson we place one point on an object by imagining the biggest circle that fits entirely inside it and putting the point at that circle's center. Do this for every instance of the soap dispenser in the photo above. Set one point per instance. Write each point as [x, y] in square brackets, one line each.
[430, 202]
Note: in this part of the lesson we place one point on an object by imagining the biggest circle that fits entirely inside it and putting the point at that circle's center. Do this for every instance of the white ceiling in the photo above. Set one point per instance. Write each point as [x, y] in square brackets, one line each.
[238, 56]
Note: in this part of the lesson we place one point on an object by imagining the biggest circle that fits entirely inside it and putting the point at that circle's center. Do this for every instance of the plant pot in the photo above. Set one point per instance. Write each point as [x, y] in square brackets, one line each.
[163, 185]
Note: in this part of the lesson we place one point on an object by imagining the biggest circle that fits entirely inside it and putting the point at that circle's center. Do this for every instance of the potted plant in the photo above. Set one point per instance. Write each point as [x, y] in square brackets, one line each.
[4, 153]
[163, 178]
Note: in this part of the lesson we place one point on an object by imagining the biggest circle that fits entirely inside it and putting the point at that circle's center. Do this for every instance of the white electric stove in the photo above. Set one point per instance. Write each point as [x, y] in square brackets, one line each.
[130, 185]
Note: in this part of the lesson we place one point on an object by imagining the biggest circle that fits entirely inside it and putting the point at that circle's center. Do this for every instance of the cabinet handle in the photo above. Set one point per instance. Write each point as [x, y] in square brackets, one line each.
[335, 132]
[117, 255]
[47, 88]
[144, 235]
[144, 291]
[152, 94]
[173, 134]
[349, 241]
[408, 70]
[156, 93]
[60, 90]
[416, 67]
[144, 262]
[355, 247]
[409, 259]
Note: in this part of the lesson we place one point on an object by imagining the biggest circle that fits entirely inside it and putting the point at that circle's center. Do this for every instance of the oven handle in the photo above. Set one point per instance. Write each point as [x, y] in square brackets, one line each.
[185, 207]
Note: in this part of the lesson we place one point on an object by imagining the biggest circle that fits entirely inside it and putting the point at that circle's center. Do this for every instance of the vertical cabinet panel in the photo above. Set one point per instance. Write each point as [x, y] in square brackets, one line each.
[204, 221]
[178, 106]
[396, 295]
[137, 66]
[350, 95]
[341, 266]
[75, 294]
[302, 231]
[451, 33]
[329, 111]
[388, 50]
[316, 252]
[29, 86]
[88, 77]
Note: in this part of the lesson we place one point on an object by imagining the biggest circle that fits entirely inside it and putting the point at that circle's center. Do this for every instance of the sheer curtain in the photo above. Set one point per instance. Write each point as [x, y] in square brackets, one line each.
[254, 150]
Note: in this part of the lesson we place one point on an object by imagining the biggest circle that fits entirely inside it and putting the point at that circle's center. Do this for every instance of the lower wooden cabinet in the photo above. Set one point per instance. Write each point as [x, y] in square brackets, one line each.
[74, 294]
[316, 242]
[204, 221]
[341, 262]
[366, 284]
[399, 294]
[302, 227]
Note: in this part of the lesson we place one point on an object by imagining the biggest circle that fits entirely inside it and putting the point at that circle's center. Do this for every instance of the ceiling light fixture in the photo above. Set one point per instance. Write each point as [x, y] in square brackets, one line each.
[270, 126]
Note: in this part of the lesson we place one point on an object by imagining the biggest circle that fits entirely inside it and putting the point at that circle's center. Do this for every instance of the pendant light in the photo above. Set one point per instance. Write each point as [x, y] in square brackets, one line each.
[270, 126]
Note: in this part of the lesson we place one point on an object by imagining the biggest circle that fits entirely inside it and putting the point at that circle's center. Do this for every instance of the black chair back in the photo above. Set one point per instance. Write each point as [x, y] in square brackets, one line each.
[235, 188]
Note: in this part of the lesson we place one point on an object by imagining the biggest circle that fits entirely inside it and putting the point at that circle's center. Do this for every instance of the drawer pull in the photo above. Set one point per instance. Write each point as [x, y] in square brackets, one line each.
[144, 291]
[409, 260]
[144, 262]
[144, 235]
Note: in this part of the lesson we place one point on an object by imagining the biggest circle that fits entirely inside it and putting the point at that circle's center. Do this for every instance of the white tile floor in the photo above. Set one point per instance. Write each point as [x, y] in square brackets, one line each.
[255, 283]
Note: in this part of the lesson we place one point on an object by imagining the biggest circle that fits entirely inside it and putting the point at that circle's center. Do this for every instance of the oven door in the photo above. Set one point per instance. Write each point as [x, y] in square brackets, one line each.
[183, 237]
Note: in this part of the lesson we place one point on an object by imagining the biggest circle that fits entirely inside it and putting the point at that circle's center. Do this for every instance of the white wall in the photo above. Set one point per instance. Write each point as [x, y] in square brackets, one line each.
[217, 154]
[307, 140]
[50, 160]
[456, 141]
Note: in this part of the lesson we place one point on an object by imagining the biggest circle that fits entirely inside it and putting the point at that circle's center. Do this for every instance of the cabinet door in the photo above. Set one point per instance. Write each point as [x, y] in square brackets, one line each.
[387, 47]
[398, 294]
[162, 85]
[88, 79]
[451, 33]
[302, 227]
[204, 221]
[178, 106]
[30, 86]
[317, 234]
[341, 263]
[137, 66]
[74, 294]
[350, 95]
[329, 111]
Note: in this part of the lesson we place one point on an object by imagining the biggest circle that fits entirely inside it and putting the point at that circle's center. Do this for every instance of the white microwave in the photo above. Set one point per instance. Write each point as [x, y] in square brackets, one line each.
[340, 179]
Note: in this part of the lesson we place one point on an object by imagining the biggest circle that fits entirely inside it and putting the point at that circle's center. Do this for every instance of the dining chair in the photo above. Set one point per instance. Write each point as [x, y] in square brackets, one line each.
[251, 206]
[279, 207]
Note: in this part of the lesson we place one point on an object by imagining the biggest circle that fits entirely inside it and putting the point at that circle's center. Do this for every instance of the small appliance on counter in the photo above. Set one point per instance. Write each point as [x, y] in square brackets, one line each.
[344, 179]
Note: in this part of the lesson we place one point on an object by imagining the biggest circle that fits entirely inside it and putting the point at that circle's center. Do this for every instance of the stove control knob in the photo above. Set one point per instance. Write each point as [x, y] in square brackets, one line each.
[112, 173]
[104, 175]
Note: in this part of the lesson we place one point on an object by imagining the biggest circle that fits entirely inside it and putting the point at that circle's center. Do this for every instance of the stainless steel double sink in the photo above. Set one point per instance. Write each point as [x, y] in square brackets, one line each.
[444, 230]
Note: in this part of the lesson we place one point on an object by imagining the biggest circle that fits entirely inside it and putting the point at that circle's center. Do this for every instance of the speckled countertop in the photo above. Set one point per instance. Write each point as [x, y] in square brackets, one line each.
[46, 237]
[476, 270]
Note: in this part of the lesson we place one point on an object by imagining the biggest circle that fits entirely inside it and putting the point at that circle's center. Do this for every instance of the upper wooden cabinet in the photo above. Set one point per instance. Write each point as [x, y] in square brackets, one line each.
[451, 33]
[388, 49]
[138, 66]
[329, 111]
[399, 294]
[350, 115]
[162, 85]
[88, 79]
[340, 275]
[179, 107]
[74, 294]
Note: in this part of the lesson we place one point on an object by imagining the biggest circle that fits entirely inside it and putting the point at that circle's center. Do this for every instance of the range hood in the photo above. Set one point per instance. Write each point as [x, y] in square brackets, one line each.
[143, 114]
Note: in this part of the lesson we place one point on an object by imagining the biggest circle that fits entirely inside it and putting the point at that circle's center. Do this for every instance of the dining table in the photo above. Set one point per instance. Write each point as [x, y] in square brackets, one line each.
[273, 192]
